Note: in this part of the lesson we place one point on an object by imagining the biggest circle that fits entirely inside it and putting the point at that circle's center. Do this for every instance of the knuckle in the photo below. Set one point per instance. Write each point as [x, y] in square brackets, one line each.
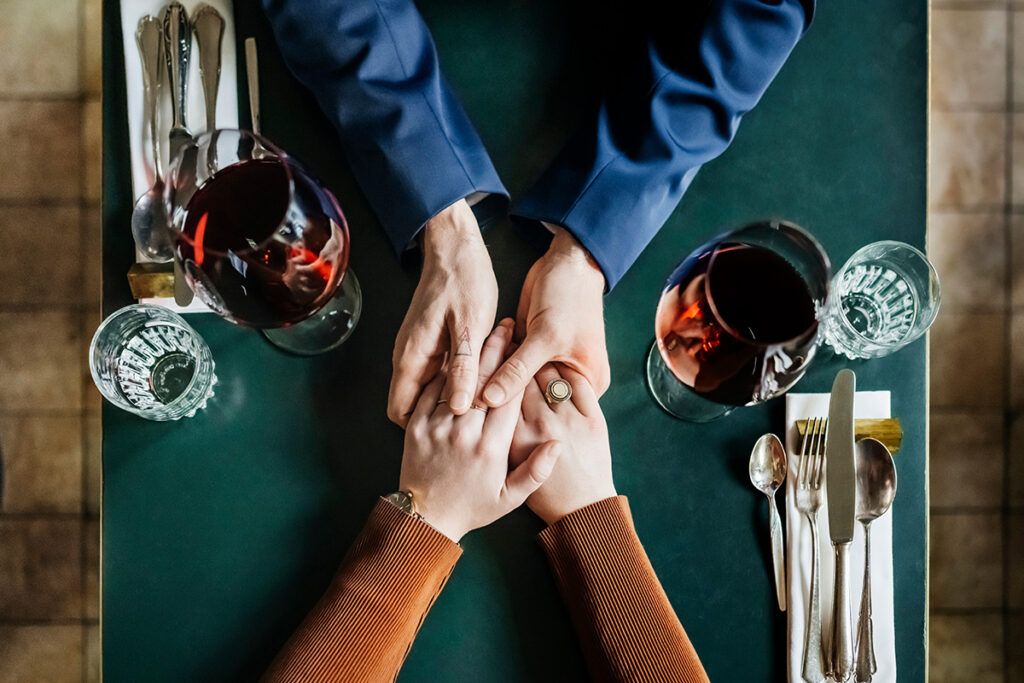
[515, 369]
[437, 431]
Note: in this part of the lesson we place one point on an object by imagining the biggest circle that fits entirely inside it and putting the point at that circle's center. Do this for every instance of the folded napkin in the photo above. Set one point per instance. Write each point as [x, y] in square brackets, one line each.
[138, 134]
[868, 404]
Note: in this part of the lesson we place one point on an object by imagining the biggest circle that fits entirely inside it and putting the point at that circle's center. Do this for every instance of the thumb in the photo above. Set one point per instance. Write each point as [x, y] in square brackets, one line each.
[514, 374]
[463, 366]
[534, 471]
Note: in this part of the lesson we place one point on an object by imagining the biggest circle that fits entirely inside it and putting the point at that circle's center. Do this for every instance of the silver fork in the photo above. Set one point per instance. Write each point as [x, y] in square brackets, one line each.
[808, 499]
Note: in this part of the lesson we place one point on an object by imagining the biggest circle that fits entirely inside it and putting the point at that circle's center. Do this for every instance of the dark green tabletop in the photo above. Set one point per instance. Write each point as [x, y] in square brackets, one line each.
[220, 532]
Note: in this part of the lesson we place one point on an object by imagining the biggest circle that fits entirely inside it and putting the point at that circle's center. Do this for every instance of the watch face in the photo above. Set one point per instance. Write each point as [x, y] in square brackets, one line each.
[402, 501]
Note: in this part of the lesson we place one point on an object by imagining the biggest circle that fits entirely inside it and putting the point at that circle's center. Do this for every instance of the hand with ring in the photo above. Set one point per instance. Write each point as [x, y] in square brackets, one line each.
[583, 473]
[457, 466]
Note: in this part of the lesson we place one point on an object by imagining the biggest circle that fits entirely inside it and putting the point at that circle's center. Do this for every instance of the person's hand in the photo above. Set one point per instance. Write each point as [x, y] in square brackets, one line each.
[583, 474]
[457, 466]
[450, 314]
[560, 319]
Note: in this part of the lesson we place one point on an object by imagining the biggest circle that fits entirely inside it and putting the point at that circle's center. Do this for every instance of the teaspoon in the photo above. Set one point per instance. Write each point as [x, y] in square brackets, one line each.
[876, 488]
[149, 217]
[767, 472]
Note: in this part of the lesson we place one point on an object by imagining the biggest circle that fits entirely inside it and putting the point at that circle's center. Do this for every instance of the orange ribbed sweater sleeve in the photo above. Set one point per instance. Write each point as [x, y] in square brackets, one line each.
[626, 625]
[363, 627]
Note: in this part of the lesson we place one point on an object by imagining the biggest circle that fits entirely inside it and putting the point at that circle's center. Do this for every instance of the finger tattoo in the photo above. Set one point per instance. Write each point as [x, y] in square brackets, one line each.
[465, 347]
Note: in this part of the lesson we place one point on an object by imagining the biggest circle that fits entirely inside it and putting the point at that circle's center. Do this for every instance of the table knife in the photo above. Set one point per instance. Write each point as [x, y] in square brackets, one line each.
[178, 40]
[841, 484]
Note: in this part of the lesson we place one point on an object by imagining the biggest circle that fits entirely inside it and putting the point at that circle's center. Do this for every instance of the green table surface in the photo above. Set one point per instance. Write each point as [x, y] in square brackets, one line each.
[220, 532]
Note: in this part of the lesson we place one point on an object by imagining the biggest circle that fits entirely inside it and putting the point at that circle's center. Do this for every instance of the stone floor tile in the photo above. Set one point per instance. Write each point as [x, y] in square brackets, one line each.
[41, 654]
[92, 452]
[93, 661]
[92, 47]
[92, 151]
[968, 53]
[92, 258]
[92, 400]
[40, 40]
[1017, 360]
[31, 271]
[966, 250]
[966, 462]
[43, 463]
[966, 561]
[1015, 634]
[40, 361]
[40, 569]
[1016, 456]
[1015, 561]
[91, 589]
[42, 148]
[966, 648]
[967, 157]
[968, 352]
[1017, 256]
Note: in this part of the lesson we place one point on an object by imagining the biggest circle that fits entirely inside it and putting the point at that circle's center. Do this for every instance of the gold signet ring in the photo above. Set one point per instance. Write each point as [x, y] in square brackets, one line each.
[558, 391]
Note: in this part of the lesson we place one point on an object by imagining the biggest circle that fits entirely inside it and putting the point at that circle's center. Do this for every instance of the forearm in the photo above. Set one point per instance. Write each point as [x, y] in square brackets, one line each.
[363, 627]
[625, 622]
[374, 71]
[619, 178]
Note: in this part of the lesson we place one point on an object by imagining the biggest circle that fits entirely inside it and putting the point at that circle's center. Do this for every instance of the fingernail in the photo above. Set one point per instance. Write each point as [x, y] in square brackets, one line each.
[494, 394]
[459, 400]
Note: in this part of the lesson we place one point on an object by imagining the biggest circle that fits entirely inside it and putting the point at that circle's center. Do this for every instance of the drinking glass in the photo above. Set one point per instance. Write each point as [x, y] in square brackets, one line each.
[737, 321]
[886, 296]
[261, 242]
[147, 360]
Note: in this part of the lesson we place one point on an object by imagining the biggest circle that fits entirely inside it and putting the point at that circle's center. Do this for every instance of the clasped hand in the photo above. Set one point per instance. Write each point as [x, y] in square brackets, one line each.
[480, 437]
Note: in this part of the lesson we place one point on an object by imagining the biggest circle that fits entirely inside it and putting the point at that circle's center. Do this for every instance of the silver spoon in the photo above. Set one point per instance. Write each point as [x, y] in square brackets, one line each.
[876, 487]
[767, 472]
[149, 217]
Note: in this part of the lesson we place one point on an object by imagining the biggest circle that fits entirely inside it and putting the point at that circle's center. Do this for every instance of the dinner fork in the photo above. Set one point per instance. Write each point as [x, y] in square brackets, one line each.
[808, 499]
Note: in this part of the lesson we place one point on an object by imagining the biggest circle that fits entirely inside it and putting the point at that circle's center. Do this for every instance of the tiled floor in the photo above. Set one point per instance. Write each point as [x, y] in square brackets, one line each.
[49, 303]
[976, 239]
[49, 193]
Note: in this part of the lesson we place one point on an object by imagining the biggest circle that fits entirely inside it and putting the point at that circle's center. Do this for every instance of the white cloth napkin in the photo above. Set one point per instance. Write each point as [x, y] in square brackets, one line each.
[138, 135]
[868, 404]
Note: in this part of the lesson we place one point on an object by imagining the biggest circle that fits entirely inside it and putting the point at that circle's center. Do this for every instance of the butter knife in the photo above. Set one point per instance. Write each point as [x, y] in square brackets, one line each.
[841, 484]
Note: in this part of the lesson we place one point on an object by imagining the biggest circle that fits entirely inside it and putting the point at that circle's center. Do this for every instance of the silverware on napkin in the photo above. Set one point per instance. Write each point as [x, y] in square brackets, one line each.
[841, 483]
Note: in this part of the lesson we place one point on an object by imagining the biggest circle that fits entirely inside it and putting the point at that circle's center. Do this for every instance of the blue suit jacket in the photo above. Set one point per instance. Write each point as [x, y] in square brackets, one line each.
[373, 67]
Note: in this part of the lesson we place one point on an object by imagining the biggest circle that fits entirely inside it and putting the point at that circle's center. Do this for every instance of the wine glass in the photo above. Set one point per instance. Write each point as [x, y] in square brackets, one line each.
[737, 320]
[261, 242]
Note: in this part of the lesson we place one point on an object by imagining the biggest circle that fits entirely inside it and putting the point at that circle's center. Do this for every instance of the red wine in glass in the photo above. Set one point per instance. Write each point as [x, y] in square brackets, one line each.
[737, 321]
[229, 236]
[261, 242]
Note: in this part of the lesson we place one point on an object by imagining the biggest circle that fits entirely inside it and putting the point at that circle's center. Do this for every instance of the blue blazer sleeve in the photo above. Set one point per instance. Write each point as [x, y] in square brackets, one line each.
[373, 68]
[616, 182]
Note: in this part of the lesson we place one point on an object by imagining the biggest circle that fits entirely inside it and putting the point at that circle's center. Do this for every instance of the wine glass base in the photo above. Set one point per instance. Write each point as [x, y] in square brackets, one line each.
[674, 397]
[328, 328]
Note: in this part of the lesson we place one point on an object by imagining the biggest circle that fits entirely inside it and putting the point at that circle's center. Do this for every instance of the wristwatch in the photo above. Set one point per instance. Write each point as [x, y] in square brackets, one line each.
[403, 501]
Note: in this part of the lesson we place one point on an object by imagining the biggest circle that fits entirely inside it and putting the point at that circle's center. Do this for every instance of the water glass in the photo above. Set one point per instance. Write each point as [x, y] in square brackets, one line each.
[886, 296]
[147, 360]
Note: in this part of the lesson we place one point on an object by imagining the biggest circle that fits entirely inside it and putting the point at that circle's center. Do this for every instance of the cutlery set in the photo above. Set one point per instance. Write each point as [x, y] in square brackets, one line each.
[165, 49]
[859, 477]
